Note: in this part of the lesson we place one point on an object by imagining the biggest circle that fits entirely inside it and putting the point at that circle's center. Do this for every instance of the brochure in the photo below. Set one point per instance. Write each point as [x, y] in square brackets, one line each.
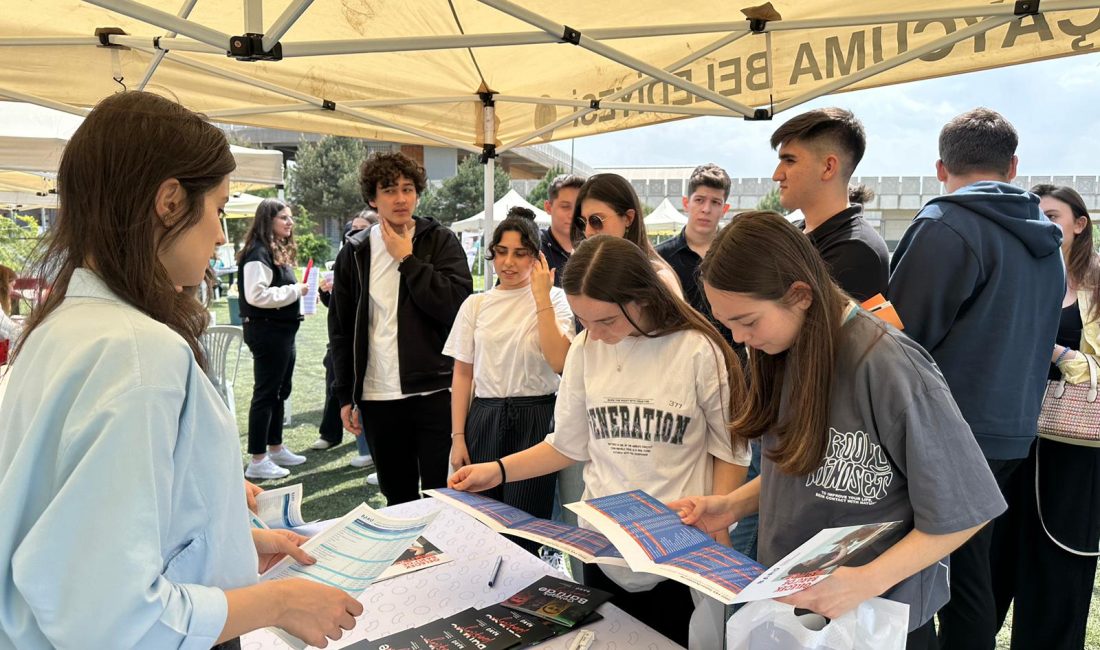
[420, 555]
[586, 545]
[279, 508]
[560, 601]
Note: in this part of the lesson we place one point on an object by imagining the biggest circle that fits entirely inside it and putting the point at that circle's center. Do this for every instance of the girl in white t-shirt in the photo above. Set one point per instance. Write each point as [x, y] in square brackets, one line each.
[643, 403]
[509, 346]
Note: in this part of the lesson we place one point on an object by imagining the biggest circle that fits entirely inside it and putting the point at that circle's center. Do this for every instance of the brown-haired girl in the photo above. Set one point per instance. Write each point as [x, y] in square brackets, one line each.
[643, 403]
[271, 313]
[857, 426]
[608, 205]
[124, 523]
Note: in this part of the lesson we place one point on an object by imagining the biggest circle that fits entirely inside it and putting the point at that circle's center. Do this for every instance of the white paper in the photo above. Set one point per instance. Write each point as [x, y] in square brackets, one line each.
[309, 300]
[281, 507]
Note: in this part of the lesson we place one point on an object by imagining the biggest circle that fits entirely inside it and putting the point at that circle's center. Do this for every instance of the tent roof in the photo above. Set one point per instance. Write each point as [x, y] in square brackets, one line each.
[410, 72]
[665, 217]
[500, 211]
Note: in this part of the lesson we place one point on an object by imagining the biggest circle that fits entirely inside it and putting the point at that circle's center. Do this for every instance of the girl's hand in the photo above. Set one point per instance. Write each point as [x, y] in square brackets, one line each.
[274, 545]
[475, 478]
[836, 595]
[710, 514]
[251, 491]
[460, 456]
[542, 280]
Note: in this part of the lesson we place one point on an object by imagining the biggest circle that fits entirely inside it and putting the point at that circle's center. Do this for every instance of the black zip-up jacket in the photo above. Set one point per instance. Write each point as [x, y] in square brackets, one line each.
[435, 280]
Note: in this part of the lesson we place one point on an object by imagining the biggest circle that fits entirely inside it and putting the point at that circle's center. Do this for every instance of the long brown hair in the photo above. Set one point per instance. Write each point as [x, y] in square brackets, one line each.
[619, 195]
[614, 270]
[761, 254]
[1082, 264]
[262, 232]
[6, 277]
[107, 185]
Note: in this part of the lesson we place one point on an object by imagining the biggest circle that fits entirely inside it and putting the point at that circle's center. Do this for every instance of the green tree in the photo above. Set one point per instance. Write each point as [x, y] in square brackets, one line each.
[462, 195]
[310, 244]
[325, 178]
[541, 193]
[771, 202]
[18, 240]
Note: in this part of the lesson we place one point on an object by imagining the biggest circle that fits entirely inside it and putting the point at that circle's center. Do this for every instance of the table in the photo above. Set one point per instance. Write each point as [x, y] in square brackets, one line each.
[437, 592]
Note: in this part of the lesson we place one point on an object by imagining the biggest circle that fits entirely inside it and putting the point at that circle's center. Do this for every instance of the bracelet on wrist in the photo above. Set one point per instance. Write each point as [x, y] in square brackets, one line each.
[1061, 356]
[503, 474]
[542, 309]
[458, 433]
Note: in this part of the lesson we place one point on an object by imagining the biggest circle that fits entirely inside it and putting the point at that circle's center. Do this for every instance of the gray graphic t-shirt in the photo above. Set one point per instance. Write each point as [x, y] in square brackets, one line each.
[898, 450]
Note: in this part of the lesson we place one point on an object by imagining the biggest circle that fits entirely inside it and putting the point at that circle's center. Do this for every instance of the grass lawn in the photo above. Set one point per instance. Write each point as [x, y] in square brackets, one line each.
[331, 486]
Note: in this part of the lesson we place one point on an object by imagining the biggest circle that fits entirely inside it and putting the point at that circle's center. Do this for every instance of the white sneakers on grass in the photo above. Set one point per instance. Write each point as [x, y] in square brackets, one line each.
[285, 457]
[320, 444]
[270, 466]
[362, 461]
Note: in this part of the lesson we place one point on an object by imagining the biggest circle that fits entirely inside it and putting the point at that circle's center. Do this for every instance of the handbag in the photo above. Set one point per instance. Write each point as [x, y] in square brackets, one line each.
[1070, 412]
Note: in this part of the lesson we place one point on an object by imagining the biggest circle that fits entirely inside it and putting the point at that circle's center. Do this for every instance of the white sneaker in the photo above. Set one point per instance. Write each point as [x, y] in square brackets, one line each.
[320, 444]
[362, 461]
[265, 469]
[285, 457]
[372, 478]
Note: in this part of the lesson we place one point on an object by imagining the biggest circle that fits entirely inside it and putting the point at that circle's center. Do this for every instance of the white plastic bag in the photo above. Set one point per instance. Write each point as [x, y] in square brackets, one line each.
[877, 624]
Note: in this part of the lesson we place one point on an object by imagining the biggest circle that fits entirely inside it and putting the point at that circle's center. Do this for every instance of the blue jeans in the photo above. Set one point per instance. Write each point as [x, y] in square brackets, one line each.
[744, 536]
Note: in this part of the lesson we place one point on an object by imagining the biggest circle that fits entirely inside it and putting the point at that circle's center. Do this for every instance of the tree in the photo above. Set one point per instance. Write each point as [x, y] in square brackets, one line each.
[325, 178]
[771, 202]
[541, 193]
[19, 237]
[462, 195]
[311, 246]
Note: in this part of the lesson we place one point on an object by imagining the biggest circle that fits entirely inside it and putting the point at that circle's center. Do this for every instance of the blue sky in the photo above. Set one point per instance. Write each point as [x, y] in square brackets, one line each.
[1055, 106]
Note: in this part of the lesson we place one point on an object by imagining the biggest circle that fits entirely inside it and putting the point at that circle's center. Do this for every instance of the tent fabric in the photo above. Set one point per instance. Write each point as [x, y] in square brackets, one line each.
[500, 211]
[817, 46]
[664, 218]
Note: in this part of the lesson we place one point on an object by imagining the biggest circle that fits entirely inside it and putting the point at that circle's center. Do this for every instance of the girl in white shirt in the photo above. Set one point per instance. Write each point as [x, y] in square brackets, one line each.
[509, 346]
[644, 403]
[9, 329]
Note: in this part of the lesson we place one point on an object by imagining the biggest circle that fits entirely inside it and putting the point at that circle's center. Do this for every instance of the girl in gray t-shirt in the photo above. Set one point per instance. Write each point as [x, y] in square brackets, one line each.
[856, 423]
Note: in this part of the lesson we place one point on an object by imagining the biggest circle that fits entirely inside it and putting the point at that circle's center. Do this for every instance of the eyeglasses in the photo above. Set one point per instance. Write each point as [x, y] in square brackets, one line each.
[580, 223]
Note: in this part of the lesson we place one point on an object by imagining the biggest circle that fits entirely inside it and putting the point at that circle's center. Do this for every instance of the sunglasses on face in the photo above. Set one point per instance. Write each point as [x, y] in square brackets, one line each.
[582, 222]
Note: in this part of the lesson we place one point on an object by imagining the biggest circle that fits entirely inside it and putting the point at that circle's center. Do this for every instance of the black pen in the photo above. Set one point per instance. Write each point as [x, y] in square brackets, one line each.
[496, 571]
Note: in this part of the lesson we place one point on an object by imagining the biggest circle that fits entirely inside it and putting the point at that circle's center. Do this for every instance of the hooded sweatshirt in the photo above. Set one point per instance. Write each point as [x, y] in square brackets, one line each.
[978, 280]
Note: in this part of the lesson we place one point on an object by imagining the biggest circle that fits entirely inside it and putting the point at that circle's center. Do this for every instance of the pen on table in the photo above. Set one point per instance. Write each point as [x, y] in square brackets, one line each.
[496, 570]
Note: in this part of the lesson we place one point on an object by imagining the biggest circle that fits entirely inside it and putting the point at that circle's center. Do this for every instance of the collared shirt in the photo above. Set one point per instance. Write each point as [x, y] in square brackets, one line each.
[124, 513]
[556, 256]
[685, 262]
[855, 253]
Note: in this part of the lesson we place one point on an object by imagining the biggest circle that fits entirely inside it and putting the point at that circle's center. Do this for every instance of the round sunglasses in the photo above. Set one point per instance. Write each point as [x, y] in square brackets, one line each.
[581, 222]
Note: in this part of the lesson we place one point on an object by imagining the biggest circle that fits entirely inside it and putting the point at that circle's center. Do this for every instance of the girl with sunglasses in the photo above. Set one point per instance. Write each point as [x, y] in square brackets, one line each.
[643, 404]
[856, 423]
[607, 205]
[509, 346]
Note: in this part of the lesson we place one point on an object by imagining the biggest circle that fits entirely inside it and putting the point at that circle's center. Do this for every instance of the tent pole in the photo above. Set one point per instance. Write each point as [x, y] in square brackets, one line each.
[184, 12]
[641, 83]
[961, 35]
[164, 20]
[284, 22]
[165, 44]
[49, 41]
[254, 17]
[946, 13]
[623, 106]
[488, 158]
[42, 101]
[365, 103]
[618, 56]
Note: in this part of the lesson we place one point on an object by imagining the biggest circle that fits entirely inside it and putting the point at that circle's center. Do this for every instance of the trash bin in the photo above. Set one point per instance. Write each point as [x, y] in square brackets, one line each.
[234, 310]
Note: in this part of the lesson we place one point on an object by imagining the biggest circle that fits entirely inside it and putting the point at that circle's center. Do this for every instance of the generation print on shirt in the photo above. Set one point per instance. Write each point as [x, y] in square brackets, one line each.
[854, 471]
[638, 421]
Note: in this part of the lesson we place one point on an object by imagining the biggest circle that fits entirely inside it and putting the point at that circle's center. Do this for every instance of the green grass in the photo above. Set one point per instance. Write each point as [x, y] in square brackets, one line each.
[332, 487]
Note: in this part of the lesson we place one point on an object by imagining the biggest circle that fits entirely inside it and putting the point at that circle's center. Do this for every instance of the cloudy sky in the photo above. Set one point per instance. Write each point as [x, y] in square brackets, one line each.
[1055, 106]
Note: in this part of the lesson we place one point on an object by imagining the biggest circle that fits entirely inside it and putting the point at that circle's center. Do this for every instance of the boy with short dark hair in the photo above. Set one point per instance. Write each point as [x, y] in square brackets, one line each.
[396, 291]
[818, 153]
[561, 199]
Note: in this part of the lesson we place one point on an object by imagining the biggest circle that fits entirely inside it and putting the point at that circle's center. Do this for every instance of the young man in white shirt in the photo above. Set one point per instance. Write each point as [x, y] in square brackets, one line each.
[396, 291]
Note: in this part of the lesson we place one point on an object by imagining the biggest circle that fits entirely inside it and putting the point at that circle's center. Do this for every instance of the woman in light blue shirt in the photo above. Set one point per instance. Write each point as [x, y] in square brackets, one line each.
[124, 521]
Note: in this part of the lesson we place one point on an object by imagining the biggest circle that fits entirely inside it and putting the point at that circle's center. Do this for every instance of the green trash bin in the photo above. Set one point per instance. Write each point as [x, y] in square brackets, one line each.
[234, 310]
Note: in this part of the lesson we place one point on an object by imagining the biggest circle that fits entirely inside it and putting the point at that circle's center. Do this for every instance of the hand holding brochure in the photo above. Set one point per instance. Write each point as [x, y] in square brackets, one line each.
[279, 508]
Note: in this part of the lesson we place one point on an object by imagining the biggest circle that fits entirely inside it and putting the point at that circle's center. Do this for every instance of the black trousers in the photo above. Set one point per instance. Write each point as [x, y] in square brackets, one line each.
[496, 427]
[1048, 588]
[969, 620]
[666, 608]
[272, 346]
[410, 440]
[331, 428]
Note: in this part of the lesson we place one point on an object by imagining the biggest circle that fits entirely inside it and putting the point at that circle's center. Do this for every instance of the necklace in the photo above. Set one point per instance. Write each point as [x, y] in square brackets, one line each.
[618, 361]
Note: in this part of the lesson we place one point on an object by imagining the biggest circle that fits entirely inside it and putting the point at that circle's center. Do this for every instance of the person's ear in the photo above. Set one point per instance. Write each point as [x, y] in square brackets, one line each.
[1012, 168]
[169, 203]
[685, 200]
[832, 167]
[799, 296]
[1079, 225]
[941, 171]
[630, 214]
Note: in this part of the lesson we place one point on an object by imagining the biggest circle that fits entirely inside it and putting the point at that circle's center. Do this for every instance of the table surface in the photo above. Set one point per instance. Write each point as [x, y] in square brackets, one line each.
[437, 592]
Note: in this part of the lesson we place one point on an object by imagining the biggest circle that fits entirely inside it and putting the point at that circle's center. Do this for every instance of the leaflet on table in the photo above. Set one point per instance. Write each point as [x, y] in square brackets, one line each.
[815, 560]
[352, 552]
[652, 539]
[421, 554]
[279, 508]
[585, 545]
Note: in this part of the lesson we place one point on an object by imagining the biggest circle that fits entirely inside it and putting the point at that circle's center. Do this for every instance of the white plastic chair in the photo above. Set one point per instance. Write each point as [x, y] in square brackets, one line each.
[219, 341]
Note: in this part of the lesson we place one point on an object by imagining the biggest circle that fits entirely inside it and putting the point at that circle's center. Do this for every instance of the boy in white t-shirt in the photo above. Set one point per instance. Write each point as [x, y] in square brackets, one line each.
[644, 403]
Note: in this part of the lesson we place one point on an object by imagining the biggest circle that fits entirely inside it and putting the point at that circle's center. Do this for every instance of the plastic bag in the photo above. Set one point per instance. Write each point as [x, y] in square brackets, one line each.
[877, 624]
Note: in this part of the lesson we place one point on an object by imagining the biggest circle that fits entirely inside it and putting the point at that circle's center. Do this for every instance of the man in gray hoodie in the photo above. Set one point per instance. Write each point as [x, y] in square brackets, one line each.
[978, 281]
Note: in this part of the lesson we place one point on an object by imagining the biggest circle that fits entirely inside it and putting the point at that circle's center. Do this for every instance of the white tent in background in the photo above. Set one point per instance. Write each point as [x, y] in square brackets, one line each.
[500, 211]
[241, 205]
[665, 218]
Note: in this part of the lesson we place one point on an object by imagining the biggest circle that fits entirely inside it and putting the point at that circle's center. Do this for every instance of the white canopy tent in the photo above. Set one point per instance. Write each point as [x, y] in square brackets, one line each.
[499, 212]
[488, 75]
[665, 218]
